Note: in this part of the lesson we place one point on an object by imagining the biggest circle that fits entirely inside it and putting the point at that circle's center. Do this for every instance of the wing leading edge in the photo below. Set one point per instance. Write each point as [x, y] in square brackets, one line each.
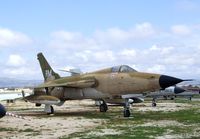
[82, 83]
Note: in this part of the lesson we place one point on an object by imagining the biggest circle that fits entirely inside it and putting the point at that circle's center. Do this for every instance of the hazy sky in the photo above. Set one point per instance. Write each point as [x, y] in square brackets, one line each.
[158, 36]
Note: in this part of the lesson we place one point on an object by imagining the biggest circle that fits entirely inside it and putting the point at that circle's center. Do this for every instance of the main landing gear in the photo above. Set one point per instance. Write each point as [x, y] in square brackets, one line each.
[127, 108]
[49, 109]
[103, 106]
[154, 102]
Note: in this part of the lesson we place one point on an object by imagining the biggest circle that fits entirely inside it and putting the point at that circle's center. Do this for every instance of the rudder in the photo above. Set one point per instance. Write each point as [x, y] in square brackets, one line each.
[47, 71]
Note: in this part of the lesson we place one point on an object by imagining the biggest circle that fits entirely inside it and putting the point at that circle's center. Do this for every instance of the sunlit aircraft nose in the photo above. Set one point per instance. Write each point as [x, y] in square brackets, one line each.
[2, 111]
[178, 90]
[167, 81]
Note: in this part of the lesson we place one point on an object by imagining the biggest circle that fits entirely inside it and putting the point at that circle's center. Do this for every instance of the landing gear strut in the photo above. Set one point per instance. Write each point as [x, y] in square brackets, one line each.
[49, 109]
[103, 106]
[154, 102]
[127, 108]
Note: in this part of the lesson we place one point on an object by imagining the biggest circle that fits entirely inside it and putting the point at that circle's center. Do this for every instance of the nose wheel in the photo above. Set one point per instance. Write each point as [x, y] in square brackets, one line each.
[127, 112]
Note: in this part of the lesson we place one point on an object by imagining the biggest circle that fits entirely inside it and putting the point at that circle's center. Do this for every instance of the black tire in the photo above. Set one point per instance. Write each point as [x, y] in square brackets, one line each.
[154, 104]
[37, 104]
[127, 113]
[103, 108]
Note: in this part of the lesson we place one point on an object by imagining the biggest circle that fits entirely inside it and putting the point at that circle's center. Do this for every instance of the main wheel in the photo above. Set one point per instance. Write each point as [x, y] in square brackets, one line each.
[127, 113]
[103, 108]
[37, 104]
[154, 104]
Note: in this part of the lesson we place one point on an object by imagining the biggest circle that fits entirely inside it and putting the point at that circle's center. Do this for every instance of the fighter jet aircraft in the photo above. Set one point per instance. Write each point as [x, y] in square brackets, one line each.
[2, 111]
[170, 91]
[109, 83]
[11, 95]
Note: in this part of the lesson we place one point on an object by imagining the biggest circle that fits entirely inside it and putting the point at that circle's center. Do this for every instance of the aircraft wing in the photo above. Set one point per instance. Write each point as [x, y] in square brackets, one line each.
[83, 83]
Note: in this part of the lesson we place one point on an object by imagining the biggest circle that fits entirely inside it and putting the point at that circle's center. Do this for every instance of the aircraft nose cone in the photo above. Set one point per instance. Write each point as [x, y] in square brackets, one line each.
[2, 111]
[167, 81]
[178, 90]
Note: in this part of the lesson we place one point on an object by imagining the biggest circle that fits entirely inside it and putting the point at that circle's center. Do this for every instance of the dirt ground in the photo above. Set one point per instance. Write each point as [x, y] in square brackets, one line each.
[67, 119]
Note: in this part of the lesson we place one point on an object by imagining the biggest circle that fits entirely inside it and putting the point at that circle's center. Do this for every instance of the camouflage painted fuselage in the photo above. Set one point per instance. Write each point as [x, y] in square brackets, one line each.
[107, 85]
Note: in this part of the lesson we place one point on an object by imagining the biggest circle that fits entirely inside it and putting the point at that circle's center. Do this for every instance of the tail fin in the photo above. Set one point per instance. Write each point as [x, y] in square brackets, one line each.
[47, 71]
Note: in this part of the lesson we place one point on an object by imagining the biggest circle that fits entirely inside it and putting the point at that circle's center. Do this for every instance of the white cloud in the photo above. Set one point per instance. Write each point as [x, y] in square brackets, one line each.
[179, 59]
[12, 38]
[111, 35]
[118, 36]
[161, 50]
[21, 72]
[140, 46]
[115, 46]
[180, 30]
[98, 56]
[144, 30]
[101, 38]
[104, 56]
[156, 69]
[67, 36]
[128, 53]
[15, 60]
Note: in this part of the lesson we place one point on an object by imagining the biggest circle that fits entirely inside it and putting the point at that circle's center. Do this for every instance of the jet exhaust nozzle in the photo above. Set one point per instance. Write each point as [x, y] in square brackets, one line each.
[167, 81]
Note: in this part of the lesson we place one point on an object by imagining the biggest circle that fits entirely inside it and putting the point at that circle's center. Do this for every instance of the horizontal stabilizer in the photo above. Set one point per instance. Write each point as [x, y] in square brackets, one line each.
[72, 71]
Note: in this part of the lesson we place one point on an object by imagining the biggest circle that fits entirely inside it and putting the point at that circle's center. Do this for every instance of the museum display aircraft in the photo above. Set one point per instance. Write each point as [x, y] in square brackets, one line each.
[109, 83]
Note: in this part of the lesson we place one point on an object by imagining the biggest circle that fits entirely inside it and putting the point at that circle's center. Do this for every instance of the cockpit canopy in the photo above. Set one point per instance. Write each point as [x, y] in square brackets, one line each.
[122, 68]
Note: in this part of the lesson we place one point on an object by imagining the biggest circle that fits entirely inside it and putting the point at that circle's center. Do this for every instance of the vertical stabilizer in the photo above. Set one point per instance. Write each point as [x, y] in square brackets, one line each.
[47, 71]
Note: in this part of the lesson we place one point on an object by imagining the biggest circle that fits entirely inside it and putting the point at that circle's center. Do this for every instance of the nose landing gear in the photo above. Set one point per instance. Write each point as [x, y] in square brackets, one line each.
[127, 112]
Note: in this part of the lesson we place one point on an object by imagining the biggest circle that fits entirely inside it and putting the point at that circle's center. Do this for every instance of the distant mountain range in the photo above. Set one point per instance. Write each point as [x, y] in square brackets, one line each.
[10, 82]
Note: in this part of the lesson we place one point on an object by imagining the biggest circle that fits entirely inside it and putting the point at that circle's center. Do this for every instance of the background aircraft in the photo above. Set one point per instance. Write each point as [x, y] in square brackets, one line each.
[170, 91]
[10, 95]
[109, 83]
